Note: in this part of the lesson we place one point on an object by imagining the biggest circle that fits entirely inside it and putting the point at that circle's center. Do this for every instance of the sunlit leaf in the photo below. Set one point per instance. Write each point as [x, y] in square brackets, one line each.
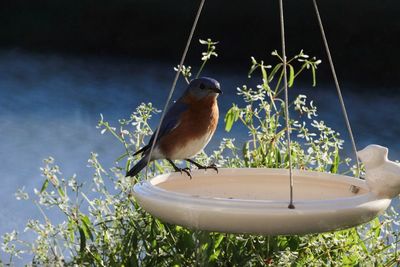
[291, 75]
[86, 226]
[44, 186]
[314, 77]
[335, 165]
[231, 116]
[60, 191]
[274, 71]
[264, 73]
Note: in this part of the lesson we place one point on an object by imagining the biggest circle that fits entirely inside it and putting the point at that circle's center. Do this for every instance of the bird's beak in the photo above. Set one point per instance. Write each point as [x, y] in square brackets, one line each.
[217, 90]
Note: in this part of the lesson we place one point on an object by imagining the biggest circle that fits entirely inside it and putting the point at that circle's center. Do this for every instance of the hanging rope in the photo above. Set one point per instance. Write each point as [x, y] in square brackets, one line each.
[289, 151]
[346, 118]
[171, 92]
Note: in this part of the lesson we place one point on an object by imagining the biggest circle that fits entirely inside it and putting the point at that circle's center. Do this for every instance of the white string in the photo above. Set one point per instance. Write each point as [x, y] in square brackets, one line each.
[287, 118]
[346, 118]
[171, 92]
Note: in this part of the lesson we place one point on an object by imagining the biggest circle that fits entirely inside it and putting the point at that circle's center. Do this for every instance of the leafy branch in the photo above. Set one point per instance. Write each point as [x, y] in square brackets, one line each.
[205, 57]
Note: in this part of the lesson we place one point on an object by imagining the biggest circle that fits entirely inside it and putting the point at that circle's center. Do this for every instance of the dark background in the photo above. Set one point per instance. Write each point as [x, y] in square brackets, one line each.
[363, 35]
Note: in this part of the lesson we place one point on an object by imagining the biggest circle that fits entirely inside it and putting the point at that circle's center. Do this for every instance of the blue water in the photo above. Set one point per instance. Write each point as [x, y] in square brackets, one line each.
[50, 105]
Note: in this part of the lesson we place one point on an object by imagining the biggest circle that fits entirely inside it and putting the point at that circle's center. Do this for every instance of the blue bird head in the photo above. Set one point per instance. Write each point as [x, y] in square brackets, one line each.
[203, 87]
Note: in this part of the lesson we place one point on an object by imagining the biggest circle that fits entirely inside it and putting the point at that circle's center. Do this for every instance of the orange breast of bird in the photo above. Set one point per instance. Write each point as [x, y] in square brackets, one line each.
[195, 128]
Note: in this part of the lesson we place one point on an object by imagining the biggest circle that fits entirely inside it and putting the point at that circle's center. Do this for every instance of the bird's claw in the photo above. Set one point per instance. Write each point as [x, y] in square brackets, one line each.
[212, 166]
[186, 170]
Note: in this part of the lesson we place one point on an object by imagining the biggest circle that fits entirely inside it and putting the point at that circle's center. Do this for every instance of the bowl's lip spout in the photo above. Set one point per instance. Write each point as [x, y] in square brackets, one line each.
[373, 154]
[374, 158]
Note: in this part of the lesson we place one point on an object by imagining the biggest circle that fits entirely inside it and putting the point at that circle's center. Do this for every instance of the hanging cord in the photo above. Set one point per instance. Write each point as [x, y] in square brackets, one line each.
[171, 92]
[346, 118]
[289, 151]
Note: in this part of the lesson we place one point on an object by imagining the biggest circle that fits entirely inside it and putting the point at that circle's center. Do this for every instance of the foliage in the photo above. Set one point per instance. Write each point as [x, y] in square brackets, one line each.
[103, 225]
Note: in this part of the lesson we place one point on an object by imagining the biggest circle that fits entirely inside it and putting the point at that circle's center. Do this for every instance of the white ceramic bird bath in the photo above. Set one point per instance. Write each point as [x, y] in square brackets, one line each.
[256, 200]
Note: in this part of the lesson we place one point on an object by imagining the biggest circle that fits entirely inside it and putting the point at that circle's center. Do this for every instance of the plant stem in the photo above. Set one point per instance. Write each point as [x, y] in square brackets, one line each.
[201, 68]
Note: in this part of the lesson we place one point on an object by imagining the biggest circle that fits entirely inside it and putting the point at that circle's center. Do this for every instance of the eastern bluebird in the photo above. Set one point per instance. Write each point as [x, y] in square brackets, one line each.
[187, 127]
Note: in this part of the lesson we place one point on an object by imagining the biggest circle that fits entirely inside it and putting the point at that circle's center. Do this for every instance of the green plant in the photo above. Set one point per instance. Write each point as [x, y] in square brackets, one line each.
[317, 146]
[104, 226]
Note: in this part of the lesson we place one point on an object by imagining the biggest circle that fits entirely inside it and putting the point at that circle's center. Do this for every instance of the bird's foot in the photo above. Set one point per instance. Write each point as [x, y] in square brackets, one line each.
[181, 170]
[212, 166]
[184, 170]
[201, 167]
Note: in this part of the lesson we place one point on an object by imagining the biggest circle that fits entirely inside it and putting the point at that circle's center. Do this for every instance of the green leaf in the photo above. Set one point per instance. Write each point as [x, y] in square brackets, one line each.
[128, 165]
[294, 243]
[314, 76]
[158, 166]
[274, 71]
[44, 186]
[86, 226]
[219, 240]
[246, 154]
[253, 68]
[264, 73]
[278, 157]
[122, 156]
[228, 121]
[60, 191]
[291, 75]
[236, 115]
[82, 239]
[336, 160]
[231, 116]
[214, 256]
[361, 242]
[71, 230]
[376, 227]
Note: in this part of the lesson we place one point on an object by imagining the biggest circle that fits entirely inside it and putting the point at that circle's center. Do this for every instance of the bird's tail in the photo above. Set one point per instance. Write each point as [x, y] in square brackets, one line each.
[142, 150]
[138, 167]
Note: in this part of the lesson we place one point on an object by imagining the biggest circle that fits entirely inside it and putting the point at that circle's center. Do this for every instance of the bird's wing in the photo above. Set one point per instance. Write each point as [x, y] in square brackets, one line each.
[170, 122]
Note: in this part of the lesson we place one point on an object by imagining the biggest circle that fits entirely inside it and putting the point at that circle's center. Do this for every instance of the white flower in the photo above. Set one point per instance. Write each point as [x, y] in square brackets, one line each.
[21, 194]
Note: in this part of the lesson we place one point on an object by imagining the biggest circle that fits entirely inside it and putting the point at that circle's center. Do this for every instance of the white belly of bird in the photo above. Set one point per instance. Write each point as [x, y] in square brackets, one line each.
[192, 148]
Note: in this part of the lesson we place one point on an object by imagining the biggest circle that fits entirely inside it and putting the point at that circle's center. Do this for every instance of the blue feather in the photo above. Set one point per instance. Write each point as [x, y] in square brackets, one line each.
[171, 120]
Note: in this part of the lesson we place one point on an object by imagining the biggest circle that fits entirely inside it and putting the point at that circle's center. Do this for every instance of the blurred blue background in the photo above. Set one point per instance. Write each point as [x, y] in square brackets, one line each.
[62, 63]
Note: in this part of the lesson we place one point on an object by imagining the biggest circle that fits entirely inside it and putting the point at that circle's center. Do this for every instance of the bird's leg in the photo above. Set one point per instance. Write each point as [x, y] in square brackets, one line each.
[201, 167]
[177, 169]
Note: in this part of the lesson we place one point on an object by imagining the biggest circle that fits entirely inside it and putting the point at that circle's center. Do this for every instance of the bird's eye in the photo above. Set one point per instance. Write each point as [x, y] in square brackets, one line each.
[202, 86]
